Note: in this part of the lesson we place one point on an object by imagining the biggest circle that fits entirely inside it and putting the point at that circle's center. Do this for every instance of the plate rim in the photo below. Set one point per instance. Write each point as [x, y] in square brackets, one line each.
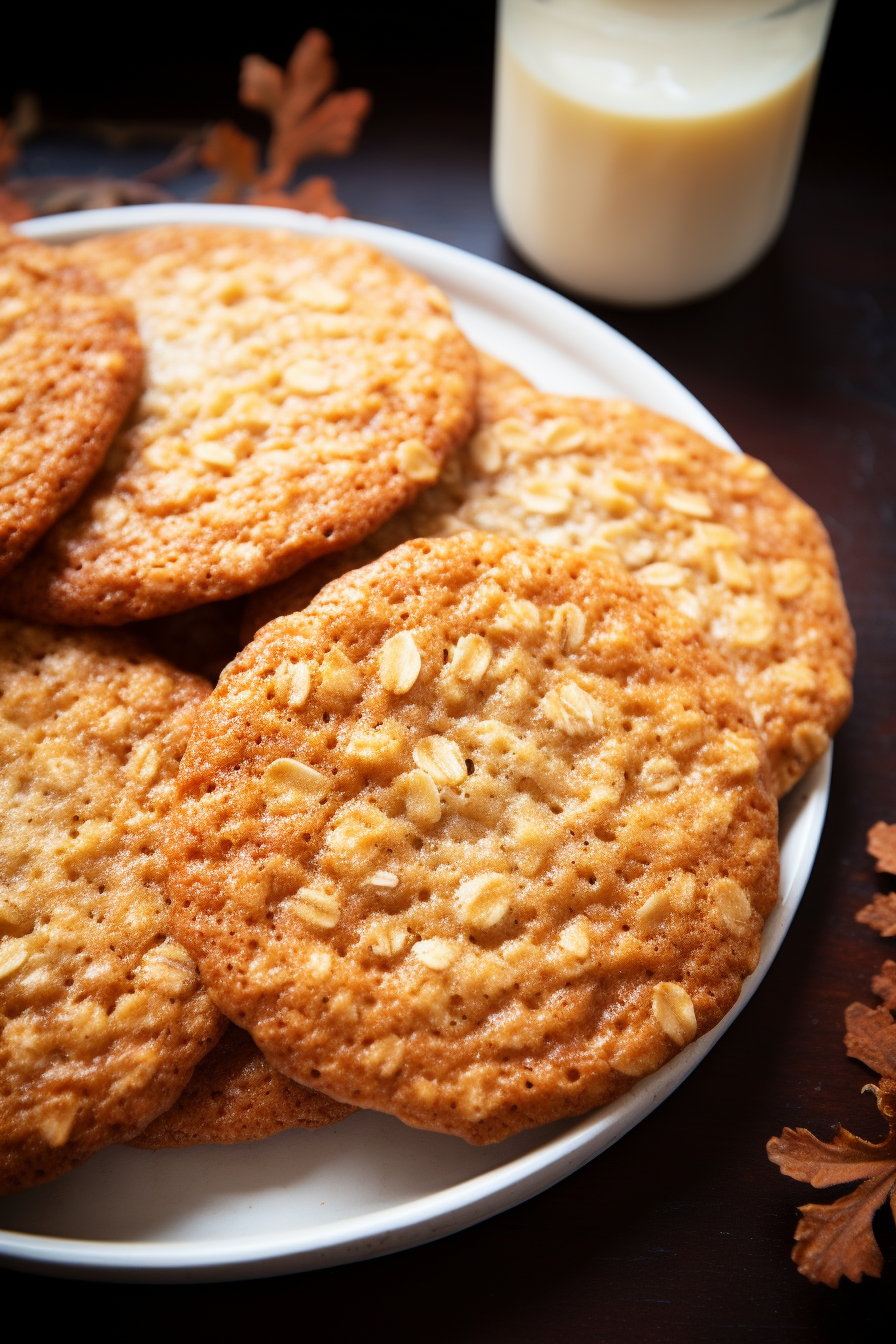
[425, 1218]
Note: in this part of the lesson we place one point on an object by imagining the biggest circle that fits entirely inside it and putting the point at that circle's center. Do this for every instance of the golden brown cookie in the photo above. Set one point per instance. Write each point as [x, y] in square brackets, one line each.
[298, 391]
[102, 1017]
[478, 838]
[716, 533]
[234, 1096]
[496, 381]
[70, 361]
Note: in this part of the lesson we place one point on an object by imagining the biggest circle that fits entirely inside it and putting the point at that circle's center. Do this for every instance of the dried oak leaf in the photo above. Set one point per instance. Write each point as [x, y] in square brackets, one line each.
[871, 1038]
[884, 985]
[287, 95]
[306, 119]
[880, 915]
[871, 1032]
[882, 846]
[331, 129]
[234, 156]
[833, 1240]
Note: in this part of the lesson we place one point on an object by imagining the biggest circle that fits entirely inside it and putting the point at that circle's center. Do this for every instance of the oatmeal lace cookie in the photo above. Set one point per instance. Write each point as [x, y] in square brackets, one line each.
[478, 838]
[496, 381]
[235, 1096]
[298, 391]
[102, 1017]
[714, 532]
[70, 361]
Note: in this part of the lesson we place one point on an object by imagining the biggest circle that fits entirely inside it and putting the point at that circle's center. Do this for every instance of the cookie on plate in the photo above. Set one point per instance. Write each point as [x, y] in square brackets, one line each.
[496, 381]
[103, 1017]
[235, 1096]
[716, 533]
[478, 838]
[298, 391]
[70, 361]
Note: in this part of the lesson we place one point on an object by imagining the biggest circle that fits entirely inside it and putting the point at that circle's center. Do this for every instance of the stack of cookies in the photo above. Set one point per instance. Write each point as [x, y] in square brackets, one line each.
[479, 823]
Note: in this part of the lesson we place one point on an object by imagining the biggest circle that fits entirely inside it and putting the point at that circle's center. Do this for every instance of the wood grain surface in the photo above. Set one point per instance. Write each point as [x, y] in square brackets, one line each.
[683, 1230]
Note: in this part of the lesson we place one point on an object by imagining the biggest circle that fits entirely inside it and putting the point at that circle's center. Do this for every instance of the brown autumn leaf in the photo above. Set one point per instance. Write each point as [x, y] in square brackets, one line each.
[880, 915]
[833, 1240]
[330, 129]
[287, 95]
[882, 846]
[261, 85]
[306, 119]
[234, 156]
[871, 1032]
[871, 1038]
[884, 985]
[315, 196]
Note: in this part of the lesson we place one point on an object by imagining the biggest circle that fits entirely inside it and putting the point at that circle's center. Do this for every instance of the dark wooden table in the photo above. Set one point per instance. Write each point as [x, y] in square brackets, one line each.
[683, 1230]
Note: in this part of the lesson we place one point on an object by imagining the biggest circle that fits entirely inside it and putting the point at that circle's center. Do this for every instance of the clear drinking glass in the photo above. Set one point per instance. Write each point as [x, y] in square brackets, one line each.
[645, 150]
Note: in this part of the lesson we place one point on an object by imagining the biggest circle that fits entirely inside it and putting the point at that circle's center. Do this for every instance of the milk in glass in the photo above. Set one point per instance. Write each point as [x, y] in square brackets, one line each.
[645, 150]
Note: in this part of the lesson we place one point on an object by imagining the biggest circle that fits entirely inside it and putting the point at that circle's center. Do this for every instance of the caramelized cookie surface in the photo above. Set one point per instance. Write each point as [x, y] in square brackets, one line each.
[298, 391]
[102, 1016]
[479, 837]
[716, 534]
[70, 361]
[235, 1096]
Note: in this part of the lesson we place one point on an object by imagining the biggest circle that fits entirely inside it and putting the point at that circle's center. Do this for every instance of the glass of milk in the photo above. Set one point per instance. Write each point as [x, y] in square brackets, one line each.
[645, 150]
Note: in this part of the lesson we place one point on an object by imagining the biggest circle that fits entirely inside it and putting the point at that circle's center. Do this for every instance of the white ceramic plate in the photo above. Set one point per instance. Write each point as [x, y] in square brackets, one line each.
[305, 1200]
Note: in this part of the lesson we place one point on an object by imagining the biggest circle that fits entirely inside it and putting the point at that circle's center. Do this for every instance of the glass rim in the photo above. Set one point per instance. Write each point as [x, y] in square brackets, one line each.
[616, 16]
